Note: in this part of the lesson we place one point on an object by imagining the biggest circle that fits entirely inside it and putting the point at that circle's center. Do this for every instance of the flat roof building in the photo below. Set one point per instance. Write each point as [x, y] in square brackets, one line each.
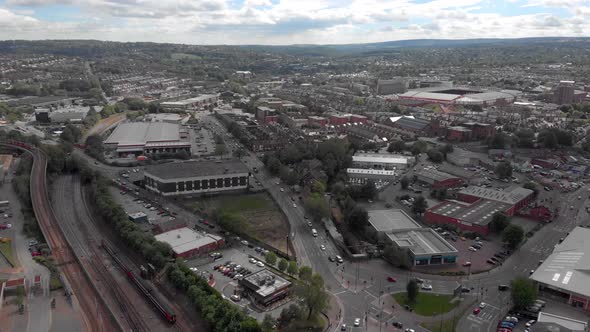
[565, 272]
[516, 197]
[426, 247]
[265, 287]
[197, 177]
[393, 219]
[472, 217]
[437, 179]
[547, 322]
[185, 242]
[379, 161]
[147, 138]
[195, 103]
[362, 175]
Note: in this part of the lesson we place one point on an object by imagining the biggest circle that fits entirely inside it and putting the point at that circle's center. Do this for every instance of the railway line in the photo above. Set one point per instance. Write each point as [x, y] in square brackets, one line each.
[96, 316]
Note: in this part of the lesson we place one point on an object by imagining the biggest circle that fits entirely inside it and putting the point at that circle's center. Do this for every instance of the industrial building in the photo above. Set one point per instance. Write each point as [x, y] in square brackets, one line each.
[564, 273]
[362, 175]
[380, 161]
[437, 179]
[265, 287]
[197, 103]
[516, 197]
[186, 243]
[547, 322]
[470, 217]
[137, 138]
[72, 114]
[422, 245]
[197, 177]
[408, 125]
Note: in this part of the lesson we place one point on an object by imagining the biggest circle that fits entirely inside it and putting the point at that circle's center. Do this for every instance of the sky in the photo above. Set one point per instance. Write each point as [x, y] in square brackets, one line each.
[281, 22]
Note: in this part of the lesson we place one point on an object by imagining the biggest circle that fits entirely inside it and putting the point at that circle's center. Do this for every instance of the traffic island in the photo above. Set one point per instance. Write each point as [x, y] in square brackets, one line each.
[427, 304]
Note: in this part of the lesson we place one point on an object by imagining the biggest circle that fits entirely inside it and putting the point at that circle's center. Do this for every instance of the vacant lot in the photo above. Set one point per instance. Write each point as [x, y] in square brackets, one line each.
[265, 220]
[428, 304]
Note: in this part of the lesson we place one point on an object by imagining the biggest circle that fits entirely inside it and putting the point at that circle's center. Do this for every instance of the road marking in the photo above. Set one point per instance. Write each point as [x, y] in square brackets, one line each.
[340, 292]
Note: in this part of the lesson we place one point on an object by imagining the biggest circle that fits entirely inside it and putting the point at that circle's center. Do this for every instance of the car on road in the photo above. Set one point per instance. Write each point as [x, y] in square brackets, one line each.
[399, 325]
[489, 261]
[357, 322]
[294, 205]
[391, 279]
[426, 287]
[339, 259]
[343, 327]
[530, 323]
[278, 182]
[331, 259]
[244, 242]
[282, 190]
[35, 253]
[409, 330]
[322, 247]
[476, 311]
[309, 224]
[235, 298]
[467, 264]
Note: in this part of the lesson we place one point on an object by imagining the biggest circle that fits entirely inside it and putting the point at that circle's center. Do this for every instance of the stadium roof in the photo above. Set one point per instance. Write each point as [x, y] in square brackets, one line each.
[185, 239]
[433, 96]
[508, 196]
[568, 267]
[421, 241]
[189, 169]
[389, 220]
[478, 213]
[140, 133]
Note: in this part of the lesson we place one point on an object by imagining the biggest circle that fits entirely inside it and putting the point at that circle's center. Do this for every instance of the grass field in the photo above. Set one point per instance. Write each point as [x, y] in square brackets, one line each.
[265, 220]
[6, 250]
[180, 56]
[447, 325]
[428, 304]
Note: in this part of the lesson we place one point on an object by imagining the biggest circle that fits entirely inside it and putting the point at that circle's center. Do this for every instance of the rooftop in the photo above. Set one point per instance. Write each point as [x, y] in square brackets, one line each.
[139, 133]
[389, 220]
[361, 171]
[416, 124]
[379, 158]
[187, 169]
[547, 322]
[185, 239]
[421, 241]
[434, 175]
[568, 267]
[508, 196]
[266, 282]
[478, 213]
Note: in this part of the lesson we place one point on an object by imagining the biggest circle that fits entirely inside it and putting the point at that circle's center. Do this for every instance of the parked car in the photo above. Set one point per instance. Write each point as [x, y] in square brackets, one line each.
[357, 322]
[426, 287]
[235, 298]
[391, 279]
[530, 323]
[476, 311]
[339, 259]
[467, 264]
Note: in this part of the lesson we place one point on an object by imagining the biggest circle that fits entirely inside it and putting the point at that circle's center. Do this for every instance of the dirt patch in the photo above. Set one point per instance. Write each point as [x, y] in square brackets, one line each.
[104, 124]
[265, 220]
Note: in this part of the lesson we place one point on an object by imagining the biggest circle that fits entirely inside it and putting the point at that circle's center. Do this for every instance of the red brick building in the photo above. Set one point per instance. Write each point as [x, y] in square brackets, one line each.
[358, 118]
[516, 198]
[458, 134]
[187, 243]
[317, 121]
[480, 131]
[337, 120]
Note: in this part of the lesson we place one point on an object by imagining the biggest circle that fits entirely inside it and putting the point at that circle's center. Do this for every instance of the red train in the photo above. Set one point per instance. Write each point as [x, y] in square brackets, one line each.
[20, 144]
[144, 289]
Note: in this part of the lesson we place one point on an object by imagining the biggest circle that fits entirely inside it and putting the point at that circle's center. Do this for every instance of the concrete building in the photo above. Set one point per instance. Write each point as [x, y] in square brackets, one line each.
[437, 179]
[137, 138]
[187, 243]
[389, 87]
[516, 197]
[71, 114]
[265, 287]
[362, 175]
[197, 177]
[422, 245]
[197, 103]
[547, 322]
[380, 161]
[564, 92]
[138, 217]
[564, 273]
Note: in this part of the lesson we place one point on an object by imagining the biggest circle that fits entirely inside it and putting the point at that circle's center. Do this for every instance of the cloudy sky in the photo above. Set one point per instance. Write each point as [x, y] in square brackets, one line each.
[290, 21]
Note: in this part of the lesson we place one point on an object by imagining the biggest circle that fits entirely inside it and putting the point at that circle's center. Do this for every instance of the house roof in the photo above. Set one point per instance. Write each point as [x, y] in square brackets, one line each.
[416, 124]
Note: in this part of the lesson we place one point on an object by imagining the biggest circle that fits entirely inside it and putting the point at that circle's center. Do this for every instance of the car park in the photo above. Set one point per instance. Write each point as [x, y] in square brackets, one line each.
[482, 305]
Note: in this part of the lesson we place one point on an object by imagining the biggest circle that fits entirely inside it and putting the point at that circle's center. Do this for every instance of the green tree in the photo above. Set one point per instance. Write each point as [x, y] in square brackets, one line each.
[397, 257]
[412, 290]
[358, 218]
[292, 268]
[523, 292]
[313, 295]
[513, 235]
[396, 146]
[532, 186]
[268, 323]
[435, 155]
[504, 169]
[316, 206]
[220, 149]
[549, 139]
[271, 258]
[499, 222]
[405, 182]
[318, 187]
[283, 264]
[419, 205]
[419, 147]
[498, 141]
[305, 273]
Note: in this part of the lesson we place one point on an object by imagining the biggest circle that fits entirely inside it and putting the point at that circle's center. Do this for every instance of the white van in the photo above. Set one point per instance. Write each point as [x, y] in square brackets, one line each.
[314, 232]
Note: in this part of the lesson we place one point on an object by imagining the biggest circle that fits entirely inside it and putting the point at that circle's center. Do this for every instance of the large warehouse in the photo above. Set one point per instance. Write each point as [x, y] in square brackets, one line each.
[471, 217]
[137, 138]
[197, 177]
[516, 197]
[422, 245]
[564, 274]
[187, 243]
[437, 179]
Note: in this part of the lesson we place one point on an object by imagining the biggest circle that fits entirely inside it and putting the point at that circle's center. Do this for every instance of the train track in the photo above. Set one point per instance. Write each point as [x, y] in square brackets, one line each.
[95, 316]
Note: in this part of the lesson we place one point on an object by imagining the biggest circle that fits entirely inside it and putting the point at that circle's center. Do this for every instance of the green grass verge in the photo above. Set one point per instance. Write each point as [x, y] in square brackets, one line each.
[428, 304]
[6, 250]
[448, 325]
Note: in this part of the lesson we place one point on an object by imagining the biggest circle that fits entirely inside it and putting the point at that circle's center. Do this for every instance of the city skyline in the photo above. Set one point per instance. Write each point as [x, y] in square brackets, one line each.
[284, 22]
